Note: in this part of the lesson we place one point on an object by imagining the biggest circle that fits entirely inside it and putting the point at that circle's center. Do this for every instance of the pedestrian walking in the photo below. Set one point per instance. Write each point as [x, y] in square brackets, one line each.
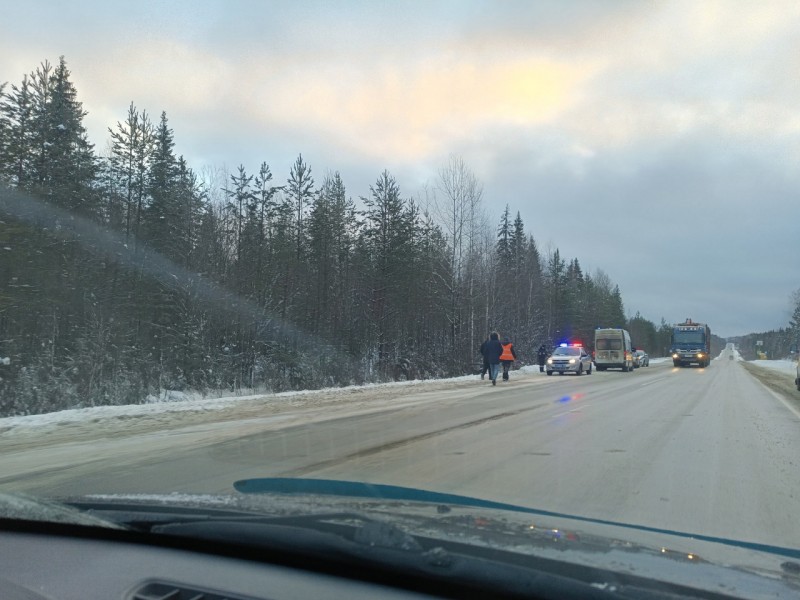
[493, 351]
[507, 356]
[484, 346]
[541, 357]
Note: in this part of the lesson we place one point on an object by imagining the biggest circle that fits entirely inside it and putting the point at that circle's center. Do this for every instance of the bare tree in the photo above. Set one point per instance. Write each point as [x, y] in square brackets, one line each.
[456, 205]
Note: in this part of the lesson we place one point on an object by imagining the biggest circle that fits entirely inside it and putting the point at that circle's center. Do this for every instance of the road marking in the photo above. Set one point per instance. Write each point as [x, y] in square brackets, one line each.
[574, 410]
[652, 382]
[783, 400]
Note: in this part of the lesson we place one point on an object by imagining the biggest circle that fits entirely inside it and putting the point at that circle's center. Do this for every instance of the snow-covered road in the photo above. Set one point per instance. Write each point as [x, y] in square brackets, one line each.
[710, 451]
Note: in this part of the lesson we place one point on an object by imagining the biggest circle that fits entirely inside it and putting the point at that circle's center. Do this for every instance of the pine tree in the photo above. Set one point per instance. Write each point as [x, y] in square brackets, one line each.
[190, 202]
[535, 315]
[240, 198]
[5, 134]
[300, 189]
[387, 237]
[162, 216]
[265, 215]
[330, 242]
[17, 151]
[131, 152]
[794, 322]
[299, 193]
[504, 233]
[555, 277]
[64, 164]
[575, 303]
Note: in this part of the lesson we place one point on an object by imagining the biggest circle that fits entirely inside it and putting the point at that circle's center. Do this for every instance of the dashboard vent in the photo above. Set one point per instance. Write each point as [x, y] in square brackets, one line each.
[171, 591]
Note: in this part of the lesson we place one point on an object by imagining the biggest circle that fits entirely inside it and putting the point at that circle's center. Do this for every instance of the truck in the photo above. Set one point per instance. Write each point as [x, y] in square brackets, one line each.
[613, 349]
[690, 344]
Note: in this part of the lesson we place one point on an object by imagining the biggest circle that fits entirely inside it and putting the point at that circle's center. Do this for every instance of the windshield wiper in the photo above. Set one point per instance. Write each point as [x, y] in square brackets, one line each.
[355, 489]
[359, 545]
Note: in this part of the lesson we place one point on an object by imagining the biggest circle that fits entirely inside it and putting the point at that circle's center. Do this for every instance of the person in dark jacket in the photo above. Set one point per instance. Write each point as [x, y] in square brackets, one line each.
[541, 357]
[493, 351]
[484, 346]
[508, 356]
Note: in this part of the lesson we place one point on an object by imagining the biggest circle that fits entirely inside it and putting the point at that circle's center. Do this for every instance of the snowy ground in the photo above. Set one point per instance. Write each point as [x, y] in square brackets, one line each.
[784, 366]
[186, 405]
[704, 450]
[178, 402]
[190, 409]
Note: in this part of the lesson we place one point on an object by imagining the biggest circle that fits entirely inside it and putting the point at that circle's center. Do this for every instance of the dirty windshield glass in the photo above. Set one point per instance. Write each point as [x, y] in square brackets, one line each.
[339, 242]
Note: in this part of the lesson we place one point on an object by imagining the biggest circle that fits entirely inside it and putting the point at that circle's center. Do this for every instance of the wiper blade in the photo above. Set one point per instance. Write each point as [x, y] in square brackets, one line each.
[349, 542]
[182, 520]
[355, 489]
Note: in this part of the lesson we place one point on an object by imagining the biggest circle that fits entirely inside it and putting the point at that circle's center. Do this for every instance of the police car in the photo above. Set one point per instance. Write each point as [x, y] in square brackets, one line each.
[569, 358]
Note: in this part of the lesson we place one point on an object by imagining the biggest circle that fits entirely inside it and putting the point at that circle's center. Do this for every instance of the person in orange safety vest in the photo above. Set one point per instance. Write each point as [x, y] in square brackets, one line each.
[507, 357]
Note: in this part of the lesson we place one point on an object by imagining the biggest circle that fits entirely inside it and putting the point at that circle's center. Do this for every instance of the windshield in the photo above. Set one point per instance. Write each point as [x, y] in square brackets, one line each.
[287, 239]
[567, 352]
[688, 337]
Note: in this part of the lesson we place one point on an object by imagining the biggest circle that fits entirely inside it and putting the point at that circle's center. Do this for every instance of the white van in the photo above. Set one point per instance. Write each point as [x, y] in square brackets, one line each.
[613, 350]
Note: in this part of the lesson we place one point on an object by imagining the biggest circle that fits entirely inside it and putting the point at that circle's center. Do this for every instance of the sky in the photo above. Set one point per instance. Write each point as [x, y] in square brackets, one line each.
[656, 141]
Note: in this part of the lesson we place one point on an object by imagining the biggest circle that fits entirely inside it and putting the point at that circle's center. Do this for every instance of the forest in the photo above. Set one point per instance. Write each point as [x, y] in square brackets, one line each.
[127, 274]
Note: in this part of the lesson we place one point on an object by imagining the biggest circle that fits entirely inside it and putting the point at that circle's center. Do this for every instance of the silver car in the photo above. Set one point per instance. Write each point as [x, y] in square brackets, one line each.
[641, 359]
[569, 359]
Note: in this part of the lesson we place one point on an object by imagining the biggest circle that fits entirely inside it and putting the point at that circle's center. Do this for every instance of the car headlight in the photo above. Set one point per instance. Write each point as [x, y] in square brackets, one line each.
[699, 355]
[675, 355]
[549, 361]
[572, 361]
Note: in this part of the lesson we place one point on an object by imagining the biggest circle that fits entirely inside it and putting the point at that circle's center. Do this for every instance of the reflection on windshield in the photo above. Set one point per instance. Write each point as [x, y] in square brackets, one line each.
[245, 305]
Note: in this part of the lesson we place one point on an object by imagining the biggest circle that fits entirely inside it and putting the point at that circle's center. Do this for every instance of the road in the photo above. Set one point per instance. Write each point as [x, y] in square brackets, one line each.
[710, 451]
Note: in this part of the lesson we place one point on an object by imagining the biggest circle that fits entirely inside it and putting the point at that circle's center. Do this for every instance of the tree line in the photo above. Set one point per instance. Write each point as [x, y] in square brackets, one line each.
[777, 343]
[127, 273]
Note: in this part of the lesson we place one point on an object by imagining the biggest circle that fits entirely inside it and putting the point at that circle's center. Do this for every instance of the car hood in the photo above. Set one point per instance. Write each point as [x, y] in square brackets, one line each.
[737, 567]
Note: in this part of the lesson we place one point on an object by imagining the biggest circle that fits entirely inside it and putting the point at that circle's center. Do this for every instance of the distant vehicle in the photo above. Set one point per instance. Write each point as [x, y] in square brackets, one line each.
[641, 359]
[691, 344]
[613, 350]
[569, 358]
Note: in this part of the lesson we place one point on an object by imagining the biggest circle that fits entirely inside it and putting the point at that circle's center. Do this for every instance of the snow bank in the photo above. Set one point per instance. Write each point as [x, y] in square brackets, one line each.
[175, 402]
[784, 366]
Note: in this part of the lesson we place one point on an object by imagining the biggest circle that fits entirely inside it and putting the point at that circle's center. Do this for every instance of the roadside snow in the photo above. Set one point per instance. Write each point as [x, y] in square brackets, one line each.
[179, 402]
[174, 407]
[784, 366]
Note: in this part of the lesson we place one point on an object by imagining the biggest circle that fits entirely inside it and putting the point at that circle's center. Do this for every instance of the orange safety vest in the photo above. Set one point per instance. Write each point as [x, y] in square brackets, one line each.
[506, 355]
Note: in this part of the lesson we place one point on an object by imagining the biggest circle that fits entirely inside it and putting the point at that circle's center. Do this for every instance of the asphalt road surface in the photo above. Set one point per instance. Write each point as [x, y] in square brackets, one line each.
[710, 451]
